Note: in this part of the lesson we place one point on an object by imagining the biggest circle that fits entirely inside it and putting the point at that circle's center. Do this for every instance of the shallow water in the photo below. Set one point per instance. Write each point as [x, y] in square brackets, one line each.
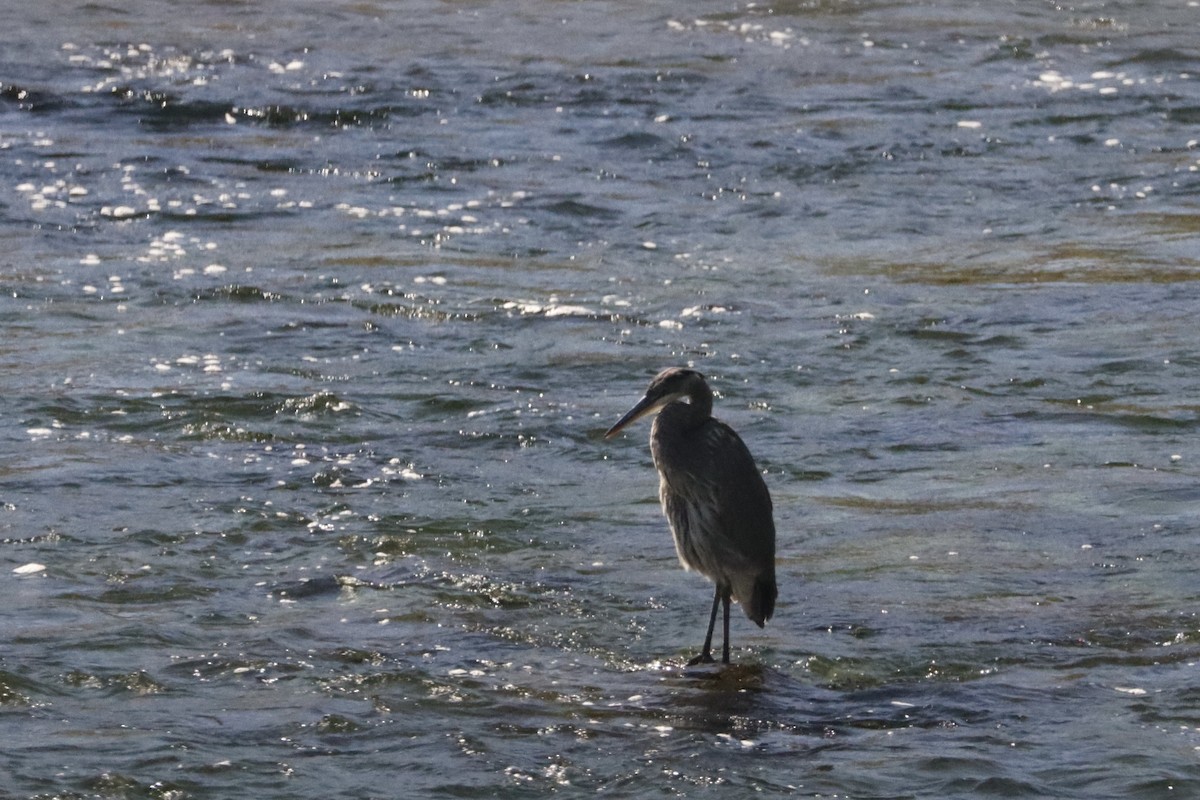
[316, 314]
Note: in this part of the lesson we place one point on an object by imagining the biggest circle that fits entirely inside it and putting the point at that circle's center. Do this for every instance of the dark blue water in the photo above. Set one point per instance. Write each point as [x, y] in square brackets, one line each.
[315, 314]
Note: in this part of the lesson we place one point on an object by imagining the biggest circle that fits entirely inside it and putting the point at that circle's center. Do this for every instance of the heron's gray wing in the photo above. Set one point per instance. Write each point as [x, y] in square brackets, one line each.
[743, 503]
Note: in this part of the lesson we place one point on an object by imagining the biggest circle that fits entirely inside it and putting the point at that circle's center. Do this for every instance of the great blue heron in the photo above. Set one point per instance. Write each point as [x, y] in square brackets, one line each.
[713, 496]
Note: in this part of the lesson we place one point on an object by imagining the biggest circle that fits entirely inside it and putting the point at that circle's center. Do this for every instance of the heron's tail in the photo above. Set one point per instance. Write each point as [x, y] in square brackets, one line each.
[760, 605]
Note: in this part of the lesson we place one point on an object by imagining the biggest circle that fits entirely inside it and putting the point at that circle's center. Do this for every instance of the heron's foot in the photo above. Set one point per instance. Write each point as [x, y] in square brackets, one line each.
[703, 658]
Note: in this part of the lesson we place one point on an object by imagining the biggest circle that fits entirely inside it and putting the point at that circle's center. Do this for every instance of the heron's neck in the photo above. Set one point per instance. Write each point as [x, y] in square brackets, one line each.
[686, 414]
[702, 399]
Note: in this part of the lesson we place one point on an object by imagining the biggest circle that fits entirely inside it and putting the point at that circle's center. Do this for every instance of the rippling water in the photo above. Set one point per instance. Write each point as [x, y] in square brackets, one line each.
[315, 314]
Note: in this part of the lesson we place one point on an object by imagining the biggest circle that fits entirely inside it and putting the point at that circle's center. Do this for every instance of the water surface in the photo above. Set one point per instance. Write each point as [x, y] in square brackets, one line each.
[315, 315]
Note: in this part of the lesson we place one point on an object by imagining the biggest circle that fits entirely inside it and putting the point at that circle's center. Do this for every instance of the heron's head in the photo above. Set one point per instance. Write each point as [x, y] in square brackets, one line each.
[670, 385]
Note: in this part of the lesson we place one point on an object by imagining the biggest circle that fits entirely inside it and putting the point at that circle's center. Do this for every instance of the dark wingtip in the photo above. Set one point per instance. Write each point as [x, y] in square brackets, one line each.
[762, 605]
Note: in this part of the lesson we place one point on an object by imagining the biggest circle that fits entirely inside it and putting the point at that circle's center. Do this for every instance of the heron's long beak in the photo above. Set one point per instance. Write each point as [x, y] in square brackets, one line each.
[646, 406]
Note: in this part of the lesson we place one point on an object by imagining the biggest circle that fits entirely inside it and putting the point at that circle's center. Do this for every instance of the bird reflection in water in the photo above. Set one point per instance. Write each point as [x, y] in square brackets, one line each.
[713, 496]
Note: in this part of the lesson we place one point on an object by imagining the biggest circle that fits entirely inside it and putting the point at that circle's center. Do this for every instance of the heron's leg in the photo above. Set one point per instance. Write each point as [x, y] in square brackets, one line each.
[725, 651]
[705, 656]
